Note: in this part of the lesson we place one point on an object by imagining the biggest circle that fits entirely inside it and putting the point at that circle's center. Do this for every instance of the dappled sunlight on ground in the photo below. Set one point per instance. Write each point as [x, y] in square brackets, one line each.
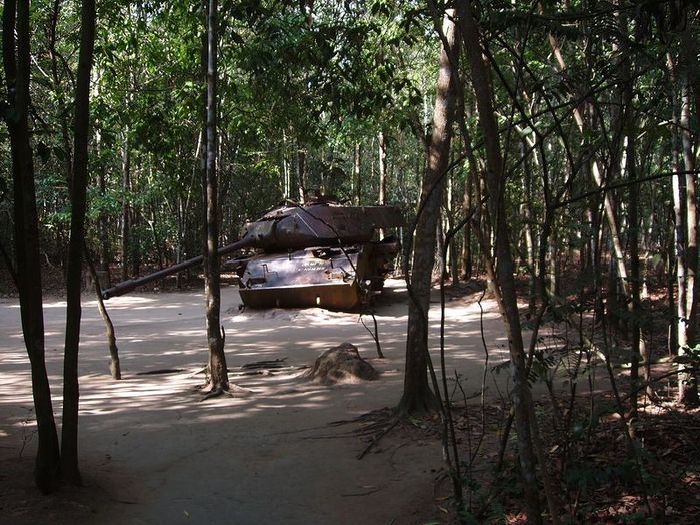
[151, 440]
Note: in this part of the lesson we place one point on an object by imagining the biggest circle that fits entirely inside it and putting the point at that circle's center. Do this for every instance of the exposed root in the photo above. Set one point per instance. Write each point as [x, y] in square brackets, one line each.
[239, 391]
[215, 392]
[377, 438]
[377, 424]
[230, 390]
[199, 371]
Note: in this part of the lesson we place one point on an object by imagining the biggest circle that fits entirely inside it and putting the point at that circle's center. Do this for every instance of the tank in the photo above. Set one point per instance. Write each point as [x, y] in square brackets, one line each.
[322, 253]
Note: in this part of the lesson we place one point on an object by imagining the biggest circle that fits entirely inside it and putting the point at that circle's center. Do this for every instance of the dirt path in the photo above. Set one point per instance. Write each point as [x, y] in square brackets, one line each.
[152, 453]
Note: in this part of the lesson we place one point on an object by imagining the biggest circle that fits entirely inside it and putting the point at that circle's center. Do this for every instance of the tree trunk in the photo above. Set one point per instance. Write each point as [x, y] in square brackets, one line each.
[104, 250]
[689, 392]
[495, 179]
[417, 395]
[301, 174]
[382, 174]
[628, 130]
[78, 185]
[466, 255]
[685, 208]
[453, 258]
[58, 88]
[16, 63]
[104, 231]
[135, 238]
[635, 273]
[126, 188]
[671, 275]
[357, 175]
[218, 372]
[609, 204]
[382, 168]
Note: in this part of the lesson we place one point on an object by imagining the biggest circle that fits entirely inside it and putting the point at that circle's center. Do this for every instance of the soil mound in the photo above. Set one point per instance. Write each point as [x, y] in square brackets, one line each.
[341, 364]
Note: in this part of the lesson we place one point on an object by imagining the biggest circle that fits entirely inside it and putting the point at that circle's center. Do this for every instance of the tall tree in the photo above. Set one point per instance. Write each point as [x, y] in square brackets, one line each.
[356, 173]
[687, 384]
[126, 211]
[417, 395]
[505, 282]
[78, 190]
[218, 372]
[382, 167]
[16, 64]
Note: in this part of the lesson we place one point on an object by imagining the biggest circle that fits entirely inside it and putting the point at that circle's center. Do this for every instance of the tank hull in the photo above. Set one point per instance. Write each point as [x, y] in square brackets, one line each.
[343, 297]
[329, 277]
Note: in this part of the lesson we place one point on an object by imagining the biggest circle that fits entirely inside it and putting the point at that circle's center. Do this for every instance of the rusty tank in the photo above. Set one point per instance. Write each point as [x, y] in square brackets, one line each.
[321, 253]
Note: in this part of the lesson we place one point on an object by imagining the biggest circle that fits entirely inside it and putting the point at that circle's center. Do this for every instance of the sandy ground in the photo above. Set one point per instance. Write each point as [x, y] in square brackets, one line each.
[151, 452]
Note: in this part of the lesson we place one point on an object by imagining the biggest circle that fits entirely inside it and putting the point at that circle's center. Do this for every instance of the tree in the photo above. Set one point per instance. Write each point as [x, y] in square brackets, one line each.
[505, 282]
[417, 395]
[16, 62]
[218, 373]
[685, 210]
[78, 185]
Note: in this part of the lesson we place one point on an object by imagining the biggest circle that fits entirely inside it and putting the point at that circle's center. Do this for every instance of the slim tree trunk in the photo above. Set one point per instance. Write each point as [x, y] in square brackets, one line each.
[467, 245]
[521, 395]
[382, 173]
[609, 204]
[628, 130]
[103, 219]
[382, 167]
[58, 88]
[78, 184]
[104, 231]
[685, 209]
[126, 215]
[671, 275]
[218, 372]
[453, 258]
[681, 278]
[357, 174]
[529, 215]
[688, 388]
[301, 174]
[135, 239]
[286, 179]
[16, 64]
[635, 273]
[417, 395]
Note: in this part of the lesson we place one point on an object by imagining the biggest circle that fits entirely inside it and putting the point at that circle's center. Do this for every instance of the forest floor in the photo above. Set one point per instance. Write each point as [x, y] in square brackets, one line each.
[152, 452]
[287, 450]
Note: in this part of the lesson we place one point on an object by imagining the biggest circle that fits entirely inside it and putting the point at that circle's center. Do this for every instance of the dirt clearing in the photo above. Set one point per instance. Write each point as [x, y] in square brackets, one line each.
[151, 452]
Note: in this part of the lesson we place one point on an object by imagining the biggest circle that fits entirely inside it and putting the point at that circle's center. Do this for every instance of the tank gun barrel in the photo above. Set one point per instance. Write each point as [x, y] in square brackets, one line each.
[130, 285]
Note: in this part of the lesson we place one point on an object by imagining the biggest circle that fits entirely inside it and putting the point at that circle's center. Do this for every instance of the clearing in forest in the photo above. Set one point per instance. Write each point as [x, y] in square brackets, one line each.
[151, 452]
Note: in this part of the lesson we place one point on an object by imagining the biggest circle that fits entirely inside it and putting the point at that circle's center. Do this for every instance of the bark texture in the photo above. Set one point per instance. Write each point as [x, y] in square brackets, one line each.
[16, 63]
[382, 168]
[78, 185]
[218, 372]
[495, 181]
[356, 172]
[417, 395]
